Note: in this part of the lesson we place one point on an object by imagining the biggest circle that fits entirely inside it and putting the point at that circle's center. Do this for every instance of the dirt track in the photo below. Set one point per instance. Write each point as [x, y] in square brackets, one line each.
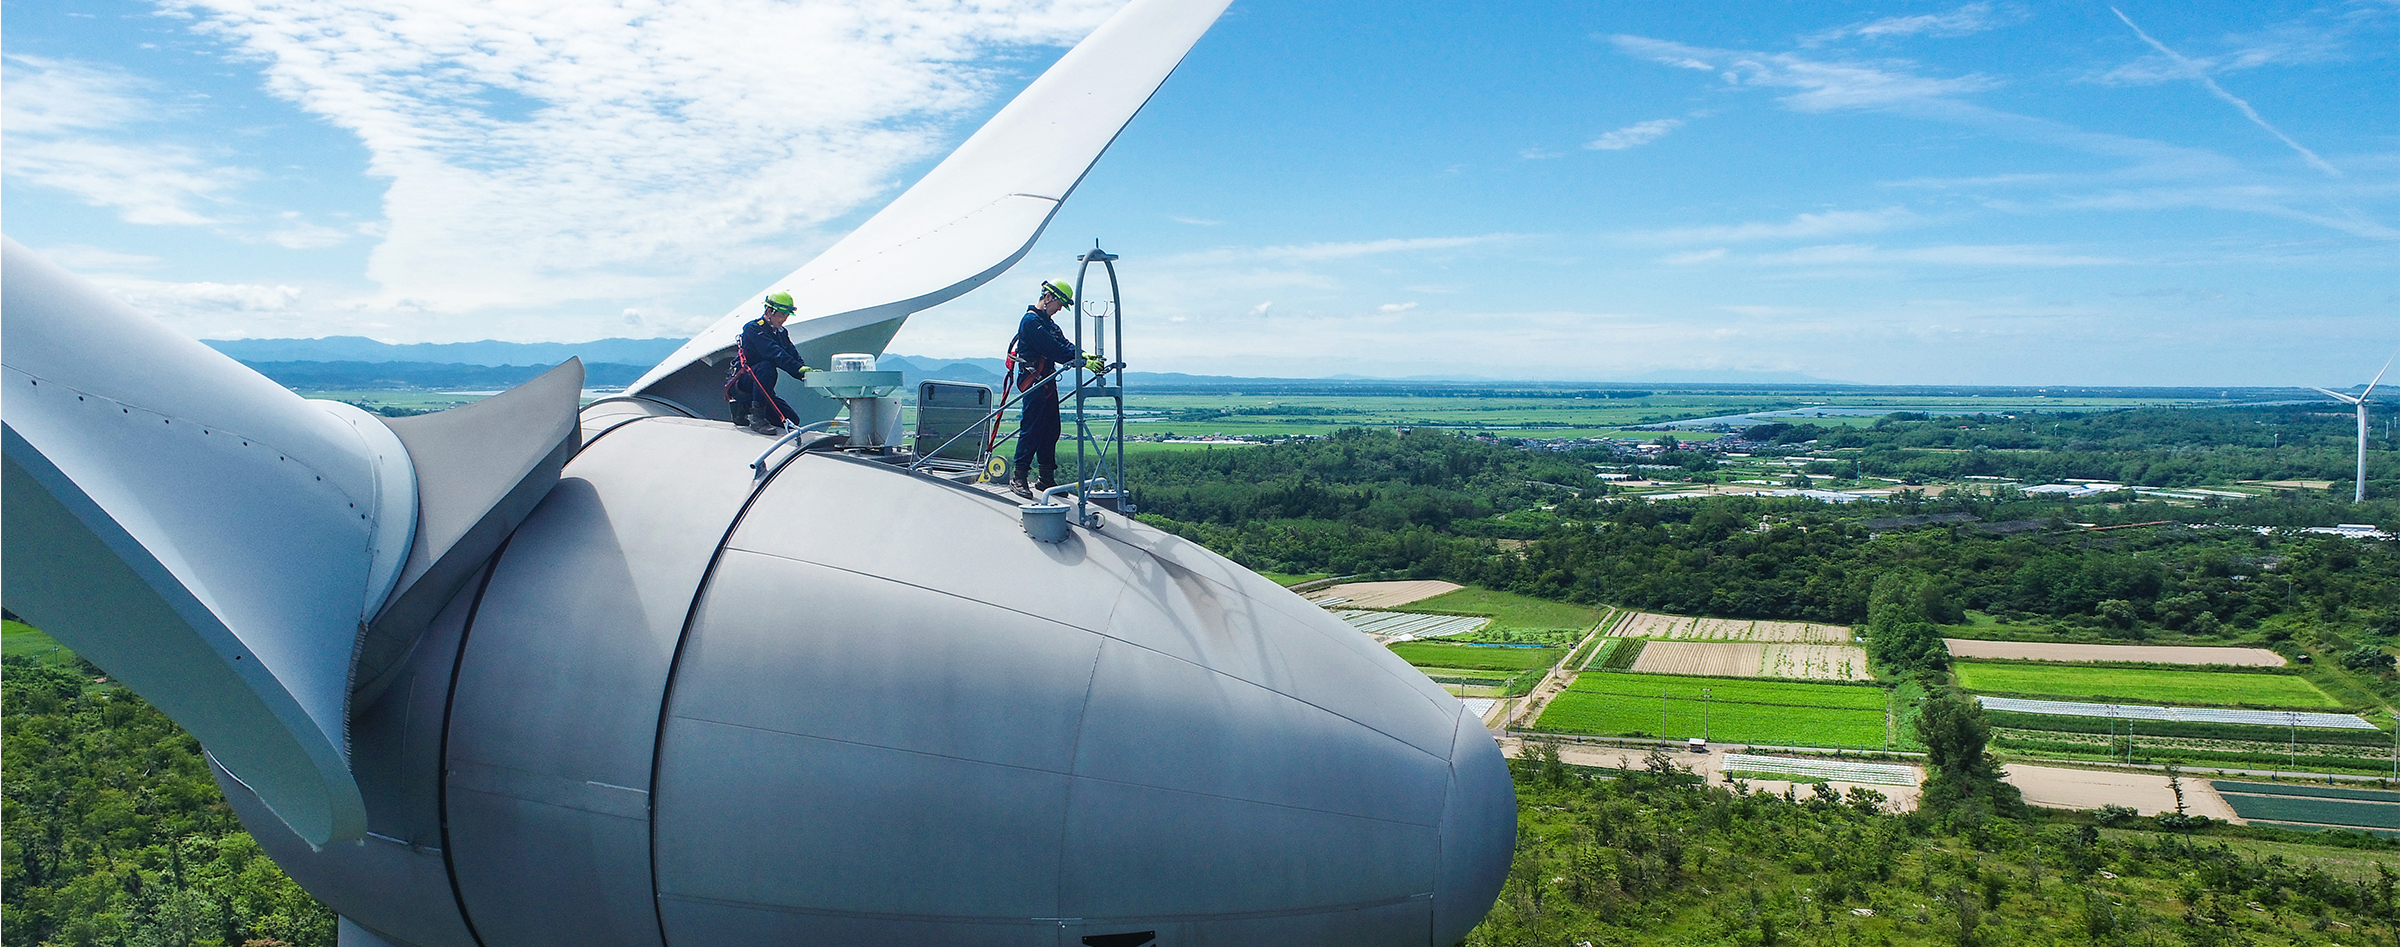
[2161, 654]
[1382, 594]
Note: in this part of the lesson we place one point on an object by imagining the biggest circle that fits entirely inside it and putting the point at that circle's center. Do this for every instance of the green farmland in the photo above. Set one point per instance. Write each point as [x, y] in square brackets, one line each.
[1512, 612]
[2143, 686]
[1428, 654]
[1627, 714]
[1736, 710]
[1734, 690]
[2271, 803]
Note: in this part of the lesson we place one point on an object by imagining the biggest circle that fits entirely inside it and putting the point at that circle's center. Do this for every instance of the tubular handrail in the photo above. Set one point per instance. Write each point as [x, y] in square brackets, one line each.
[758, 468]
[994, 413]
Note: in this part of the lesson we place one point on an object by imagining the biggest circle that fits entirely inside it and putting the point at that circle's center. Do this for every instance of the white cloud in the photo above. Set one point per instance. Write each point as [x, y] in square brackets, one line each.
[1824, 85]
[1693, 258]
[1539, 153]
[83, 258]
[1964, 21]
[1260, 310]
[171, 300]
[554, 150]
[1333, 251]
[1634, 135]
[60, 118]
[1197, 221]
[1800, 227]
[1396, 307]
[1994, 255]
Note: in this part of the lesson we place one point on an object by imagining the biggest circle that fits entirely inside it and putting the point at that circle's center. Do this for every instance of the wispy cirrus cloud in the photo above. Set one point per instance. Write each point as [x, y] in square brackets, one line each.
[81, 129]
[1341, 250]
[1820, 85]
[2011, 255]
[1799, 227]
[554, 150]
[1965, 21]
[1635, 135]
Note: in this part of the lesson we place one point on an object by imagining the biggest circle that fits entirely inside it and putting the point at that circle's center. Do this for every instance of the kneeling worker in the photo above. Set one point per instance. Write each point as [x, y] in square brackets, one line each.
[750, 384]
[1040, 348]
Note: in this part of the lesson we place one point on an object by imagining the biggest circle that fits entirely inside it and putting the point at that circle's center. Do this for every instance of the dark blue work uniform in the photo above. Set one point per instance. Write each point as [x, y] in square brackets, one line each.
[750, 385]
[1041, 348]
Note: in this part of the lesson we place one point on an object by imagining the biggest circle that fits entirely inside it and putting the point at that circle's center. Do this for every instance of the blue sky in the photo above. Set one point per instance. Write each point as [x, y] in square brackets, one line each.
[1989, 193]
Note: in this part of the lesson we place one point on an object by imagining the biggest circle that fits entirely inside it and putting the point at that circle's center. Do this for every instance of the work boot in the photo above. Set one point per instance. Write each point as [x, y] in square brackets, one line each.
[768, 428]
[1049, 479]
[1018, 486]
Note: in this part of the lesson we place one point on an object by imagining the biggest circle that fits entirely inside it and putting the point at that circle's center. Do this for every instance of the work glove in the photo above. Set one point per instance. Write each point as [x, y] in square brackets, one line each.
[1093, 364]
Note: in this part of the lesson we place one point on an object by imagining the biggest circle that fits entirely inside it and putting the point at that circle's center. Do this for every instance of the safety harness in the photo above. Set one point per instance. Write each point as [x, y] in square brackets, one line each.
[741, 368]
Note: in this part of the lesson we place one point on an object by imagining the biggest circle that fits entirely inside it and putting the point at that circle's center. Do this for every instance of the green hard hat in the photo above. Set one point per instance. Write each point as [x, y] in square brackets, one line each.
[779, 302]
[1060, 289]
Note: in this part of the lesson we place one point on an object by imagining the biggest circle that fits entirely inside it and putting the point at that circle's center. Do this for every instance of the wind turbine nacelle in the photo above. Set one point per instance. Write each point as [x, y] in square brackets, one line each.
[859, 705]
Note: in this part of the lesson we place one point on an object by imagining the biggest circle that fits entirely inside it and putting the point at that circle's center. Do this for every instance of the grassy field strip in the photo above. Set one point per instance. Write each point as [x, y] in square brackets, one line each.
[1881, 774]
[1512, 611]
[1968, 649]
[1410, 624]
[2309, 827]
[2205, 688]
[2255, 718]
[1603, 714]
[1490, 658]
[1736, 690]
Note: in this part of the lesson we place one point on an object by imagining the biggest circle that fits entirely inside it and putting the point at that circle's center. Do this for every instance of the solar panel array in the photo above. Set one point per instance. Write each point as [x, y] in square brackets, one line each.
[1408, 624]
[2263, 718]
[1832, 771]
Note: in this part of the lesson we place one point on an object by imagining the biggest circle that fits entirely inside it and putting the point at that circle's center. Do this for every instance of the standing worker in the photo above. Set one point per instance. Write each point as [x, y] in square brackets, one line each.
[1039, 349]
[750, 384]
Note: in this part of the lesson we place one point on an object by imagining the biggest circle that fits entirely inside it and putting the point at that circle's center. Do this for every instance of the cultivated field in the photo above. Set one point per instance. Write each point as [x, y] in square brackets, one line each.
[1680, 628]
[1973, 648]
[1739, 690]
[1379, 594]
[1426, 654]
[1776, 713]
[2141, 685]
[1808, 662]
[2314, 807]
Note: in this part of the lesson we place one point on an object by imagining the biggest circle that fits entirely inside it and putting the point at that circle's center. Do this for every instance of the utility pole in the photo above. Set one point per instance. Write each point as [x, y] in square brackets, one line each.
[1704, 715]
[2293, 753]
[1662, 716]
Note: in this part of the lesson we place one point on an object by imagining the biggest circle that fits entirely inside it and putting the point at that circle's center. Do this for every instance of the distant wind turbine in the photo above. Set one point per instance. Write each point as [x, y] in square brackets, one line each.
[2361, 403]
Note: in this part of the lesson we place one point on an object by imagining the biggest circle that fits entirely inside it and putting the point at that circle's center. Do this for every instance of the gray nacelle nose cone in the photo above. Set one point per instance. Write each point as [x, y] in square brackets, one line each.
[894, 718]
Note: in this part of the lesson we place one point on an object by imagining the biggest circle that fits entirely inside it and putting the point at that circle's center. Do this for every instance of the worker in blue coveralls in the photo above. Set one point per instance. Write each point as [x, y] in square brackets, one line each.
[750, 383]
[1040, 348]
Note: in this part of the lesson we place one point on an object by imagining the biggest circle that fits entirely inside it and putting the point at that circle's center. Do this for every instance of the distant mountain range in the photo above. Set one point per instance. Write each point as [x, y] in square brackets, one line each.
[351, 348]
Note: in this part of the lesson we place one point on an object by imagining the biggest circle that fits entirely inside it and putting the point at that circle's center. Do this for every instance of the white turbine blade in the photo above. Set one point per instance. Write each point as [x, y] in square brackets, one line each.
[2387, 366]
[2345, 399]
[977, 213]
[213, 540]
